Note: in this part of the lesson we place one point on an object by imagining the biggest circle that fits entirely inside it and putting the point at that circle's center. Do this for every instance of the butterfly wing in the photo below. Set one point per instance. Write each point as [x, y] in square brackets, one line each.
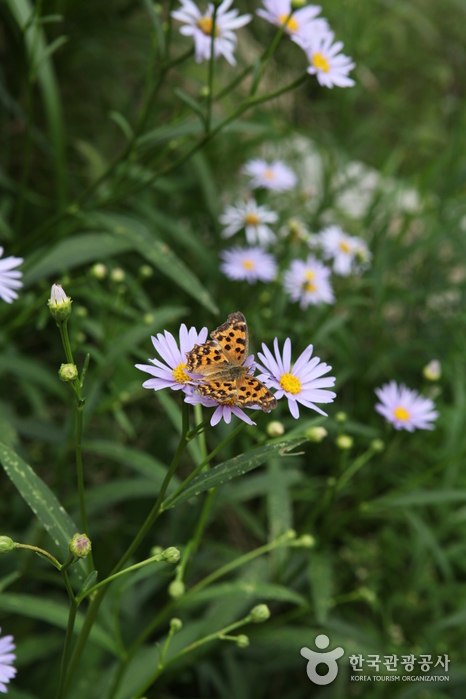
[224, 391]
[207, 359]
[233, 339]
[252, 392]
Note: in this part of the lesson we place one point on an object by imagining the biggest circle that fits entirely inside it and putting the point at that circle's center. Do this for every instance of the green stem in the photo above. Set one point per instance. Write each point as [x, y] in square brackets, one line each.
[80, 474]
[268, 55]
[40, 552]
[69, 627]
[354, 468]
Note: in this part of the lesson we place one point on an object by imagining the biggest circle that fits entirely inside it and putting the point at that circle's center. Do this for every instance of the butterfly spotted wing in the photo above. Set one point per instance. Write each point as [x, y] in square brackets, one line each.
[228, 348]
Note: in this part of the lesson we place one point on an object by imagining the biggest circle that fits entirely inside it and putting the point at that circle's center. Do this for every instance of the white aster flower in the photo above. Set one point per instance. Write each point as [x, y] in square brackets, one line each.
[301, 23]
[9, 277]
[248, 264]
[308, 282]
[301, 383]
[405, 408]
[199, 26]
[252, 218]
[275, 175]
[7, 671]
[349, 253]
[172, 374]
[326, 63]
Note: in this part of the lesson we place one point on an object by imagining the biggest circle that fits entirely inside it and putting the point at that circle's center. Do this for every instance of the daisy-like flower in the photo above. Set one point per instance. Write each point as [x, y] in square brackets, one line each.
[301, 383]
[200, 26]
[405, 408]
[301, 23]
[248, 264]
[252, 218]
[275, 175]
[172, 374]
[7, 671]
[326, 62]
[349, 253]
[308, 282]
[9, 277]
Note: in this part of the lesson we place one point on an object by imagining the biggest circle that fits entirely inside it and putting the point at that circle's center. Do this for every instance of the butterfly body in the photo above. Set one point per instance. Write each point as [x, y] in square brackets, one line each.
[221, 362]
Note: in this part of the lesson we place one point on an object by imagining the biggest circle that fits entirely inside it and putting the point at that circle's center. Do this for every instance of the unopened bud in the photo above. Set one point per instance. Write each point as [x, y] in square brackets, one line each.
[433, 370]
[6, 544]
[275, 429]
[377, 445]
[306, 541]
[117, 274]
[242, 641]
[99, 271]
[156, 550]
[176, 589]
[297, 4]
[80, 545]
[176, 624]
[68, 372]
[341, 416]
[344, 441]
[171, 555]
[204, 91]
[316, 434]
[146, 271]
[59, 304]
[259, 614]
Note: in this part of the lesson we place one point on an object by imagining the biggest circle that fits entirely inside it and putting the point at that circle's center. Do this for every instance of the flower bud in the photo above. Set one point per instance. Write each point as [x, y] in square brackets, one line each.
[368, 595]
[80, 545]
[117, 274]
[259, 613]
[6, 544]
[297, 4]
[341, 417]
[316, 434]
[99, 271]
[68, 373]
[171, 555]
[377, 445]
[433, 370]
[81, 311]
[306, 541]
[146, 271]
[156, 550]
[344, 441]
[176, 589]
[242, 641]
[175, 624]
[275, 429]
[59, 304]
[204, 91]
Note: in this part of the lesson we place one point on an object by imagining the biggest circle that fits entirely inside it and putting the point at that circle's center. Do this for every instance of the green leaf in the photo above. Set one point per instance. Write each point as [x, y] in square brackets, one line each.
[235, 467]
[47, 53]
[190, 102]
[419, 497]
[320, 575]
[31, 370]
[55, 613]
[117, 491]
[74, 252]
[89, 581]
[40, 499]
[252, 590]
[158, 254]
[122, 123]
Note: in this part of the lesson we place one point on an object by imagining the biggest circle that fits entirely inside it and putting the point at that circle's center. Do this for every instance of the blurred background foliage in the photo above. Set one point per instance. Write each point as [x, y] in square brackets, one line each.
[387, 571]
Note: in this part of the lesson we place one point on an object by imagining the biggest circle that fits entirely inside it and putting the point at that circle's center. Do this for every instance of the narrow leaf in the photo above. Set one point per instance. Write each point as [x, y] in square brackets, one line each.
[192, 103]
[51, 48]
[420, 497]
[89, 581]
[320, 575]
[122, 123]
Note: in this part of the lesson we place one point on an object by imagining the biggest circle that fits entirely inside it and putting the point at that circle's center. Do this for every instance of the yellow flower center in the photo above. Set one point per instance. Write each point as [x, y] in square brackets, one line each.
[248, 264]
[251, 219]
[290, 383]
[344, 246]
[180, 375]
[292, 25]
[205, 25]
[401, 413]
[320, 62]
[269, 174]
[310, 275]
[309, 286]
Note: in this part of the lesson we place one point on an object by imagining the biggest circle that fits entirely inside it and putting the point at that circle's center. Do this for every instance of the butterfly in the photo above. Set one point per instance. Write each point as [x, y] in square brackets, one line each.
[221, 363]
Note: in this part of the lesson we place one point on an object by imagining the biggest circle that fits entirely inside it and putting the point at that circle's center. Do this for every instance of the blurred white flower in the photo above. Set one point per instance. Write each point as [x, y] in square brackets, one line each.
[252, 218]
[433, 370]
[199, 26]
[405, 408]
[275, 175]
[9, 277]
[326, 62]
[248, 264]
[308, 282]
[349, 253]
[7, 671]
[301, 23]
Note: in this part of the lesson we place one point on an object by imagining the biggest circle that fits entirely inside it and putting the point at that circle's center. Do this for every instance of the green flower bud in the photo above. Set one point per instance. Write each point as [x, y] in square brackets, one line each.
[275, 429]
[59, 304]
[433, 370]
[81, 311]
[171, 555]
[344, 441]
[176, 624]
[80, 545]
[176, 589]
[377, 445]
[156, 550]
[99, 271]
[146, 271]
[306, 541]
[259, 614]
[367, 594]
[148, 318]
[6, 544]
[117, 274]
[297, 4]
[204, 91]
[242, 641]
[341, 417]
[316, 434]
[68, 373]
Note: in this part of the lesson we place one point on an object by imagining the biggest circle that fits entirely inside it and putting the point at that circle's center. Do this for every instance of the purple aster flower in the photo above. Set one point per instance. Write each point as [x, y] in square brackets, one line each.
[248, 264]
[172, 374]
[7, 671]
[9, 278]
[308, 282]
[301, 383]
[276, 175]
[405, 408]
